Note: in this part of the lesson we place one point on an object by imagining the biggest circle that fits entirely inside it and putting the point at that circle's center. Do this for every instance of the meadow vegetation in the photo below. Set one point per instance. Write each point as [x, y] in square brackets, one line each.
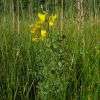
[49, 55]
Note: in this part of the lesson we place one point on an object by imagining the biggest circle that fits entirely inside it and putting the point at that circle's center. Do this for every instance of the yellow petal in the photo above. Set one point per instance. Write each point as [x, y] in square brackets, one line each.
[35, 27]
[51, 23]
[43, 34]
[42, 17]
[52, 20]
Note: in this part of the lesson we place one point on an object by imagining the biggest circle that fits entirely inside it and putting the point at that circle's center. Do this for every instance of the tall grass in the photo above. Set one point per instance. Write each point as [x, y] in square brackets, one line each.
[60, 68]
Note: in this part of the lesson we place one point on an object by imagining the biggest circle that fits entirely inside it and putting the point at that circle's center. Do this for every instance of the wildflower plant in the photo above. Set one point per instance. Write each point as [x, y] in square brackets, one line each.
[50, 55]
[40, 30]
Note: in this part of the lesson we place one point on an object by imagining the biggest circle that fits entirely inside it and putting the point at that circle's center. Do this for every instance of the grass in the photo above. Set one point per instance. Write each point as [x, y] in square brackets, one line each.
[66, 68]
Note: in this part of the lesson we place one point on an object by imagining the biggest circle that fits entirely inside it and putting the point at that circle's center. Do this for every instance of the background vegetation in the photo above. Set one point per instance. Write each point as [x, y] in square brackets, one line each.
[66, 66]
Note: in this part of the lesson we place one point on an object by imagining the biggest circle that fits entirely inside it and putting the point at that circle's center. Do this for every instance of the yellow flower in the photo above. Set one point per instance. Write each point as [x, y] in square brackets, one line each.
[52, 19]
[42, 17]
[34, 39]
[35, 27]
[43, 34]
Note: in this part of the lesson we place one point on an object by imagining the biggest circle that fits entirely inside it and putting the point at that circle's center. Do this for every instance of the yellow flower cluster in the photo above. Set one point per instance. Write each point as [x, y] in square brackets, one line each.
[39, 23]
[52, 20]
[42, 17]
[37, 26]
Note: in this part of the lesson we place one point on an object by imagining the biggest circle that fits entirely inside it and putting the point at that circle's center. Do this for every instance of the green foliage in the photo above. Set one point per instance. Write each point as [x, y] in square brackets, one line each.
[60, 67]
